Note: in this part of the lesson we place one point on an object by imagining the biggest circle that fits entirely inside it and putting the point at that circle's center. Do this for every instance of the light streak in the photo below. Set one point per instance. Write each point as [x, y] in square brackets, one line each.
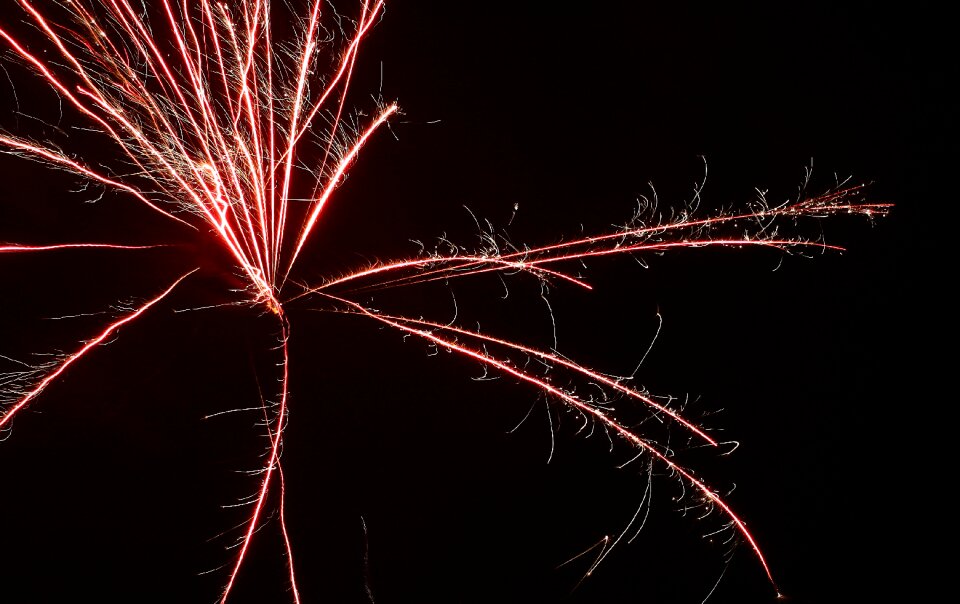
[70, 360]
[590, 410]
[73, 246]
[210, 120]
[271, 466]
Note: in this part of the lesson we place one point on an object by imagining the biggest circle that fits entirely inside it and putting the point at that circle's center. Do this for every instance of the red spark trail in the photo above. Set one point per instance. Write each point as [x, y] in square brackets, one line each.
[546, 356]
[592, 411]
[63, 365]
[214, 127]
[685, 233]
[334, 181]
[460, 265]
[271, 466]
[65, 162]
[74, 246]
[286, 536]
[467, 265]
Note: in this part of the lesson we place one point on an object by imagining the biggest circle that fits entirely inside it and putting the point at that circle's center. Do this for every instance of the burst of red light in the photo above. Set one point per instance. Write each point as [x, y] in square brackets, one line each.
[203, 108]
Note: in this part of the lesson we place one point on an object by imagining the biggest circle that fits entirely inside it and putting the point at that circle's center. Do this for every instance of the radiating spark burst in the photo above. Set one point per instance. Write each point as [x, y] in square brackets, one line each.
[216, 128]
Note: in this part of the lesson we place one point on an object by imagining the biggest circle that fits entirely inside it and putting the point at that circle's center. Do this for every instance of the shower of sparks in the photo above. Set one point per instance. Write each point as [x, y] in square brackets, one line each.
[216, 127]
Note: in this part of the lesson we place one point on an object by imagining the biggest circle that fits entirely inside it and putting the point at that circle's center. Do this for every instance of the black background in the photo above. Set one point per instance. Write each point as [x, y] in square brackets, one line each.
[825, 369]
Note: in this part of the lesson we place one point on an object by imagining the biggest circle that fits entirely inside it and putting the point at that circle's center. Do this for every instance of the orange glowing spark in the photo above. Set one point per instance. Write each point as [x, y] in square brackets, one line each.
[211, 120]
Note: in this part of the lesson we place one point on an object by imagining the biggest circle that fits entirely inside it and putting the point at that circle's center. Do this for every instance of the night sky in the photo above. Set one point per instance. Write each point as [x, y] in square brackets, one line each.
[824, 369]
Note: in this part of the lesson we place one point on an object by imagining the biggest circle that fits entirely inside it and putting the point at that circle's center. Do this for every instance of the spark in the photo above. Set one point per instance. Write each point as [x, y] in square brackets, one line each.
[212, 126]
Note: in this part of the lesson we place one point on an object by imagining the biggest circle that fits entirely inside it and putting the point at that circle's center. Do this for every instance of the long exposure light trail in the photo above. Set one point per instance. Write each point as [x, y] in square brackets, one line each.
[587, 409]
[72, 246]
[223, 127]
[683, 233]
[70, 360]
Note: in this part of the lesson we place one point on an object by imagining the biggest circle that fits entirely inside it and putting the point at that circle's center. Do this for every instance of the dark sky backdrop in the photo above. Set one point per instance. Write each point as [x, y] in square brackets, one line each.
[823, 369]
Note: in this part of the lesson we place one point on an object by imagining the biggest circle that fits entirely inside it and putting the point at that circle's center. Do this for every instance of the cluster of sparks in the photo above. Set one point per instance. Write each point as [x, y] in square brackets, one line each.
[245, 138]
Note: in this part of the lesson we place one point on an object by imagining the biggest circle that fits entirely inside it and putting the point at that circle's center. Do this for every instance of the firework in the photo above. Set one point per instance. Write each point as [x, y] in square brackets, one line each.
[222, 128]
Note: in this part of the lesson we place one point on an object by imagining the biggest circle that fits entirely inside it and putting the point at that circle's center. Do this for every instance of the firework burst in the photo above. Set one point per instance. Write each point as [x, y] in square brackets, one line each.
[224, 127]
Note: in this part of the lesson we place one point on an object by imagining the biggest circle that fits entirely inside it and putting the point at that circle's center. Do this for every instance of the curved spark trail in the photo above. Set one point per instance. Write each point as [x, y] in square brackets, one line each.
[215, 127]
